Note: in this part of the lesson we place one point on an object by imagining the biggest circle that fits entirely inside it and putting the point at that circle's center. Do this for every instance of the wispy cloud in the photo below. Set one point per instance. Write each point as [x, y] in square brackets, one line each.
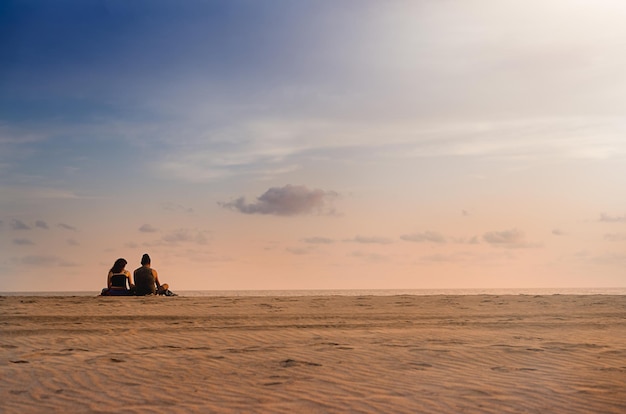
[369, 256]
[67, 227]
[610, 258]
[612, 219]
[318, 240]
[174, 207]
[615, 237]
[558, 232]
[466, 240]
[19, 225]
[427, 236]
[22, 242]
[44, 261]
[297, 251]
[289, 200]
[269, 148]
[512, 239]
[370, 240]
[185, 236]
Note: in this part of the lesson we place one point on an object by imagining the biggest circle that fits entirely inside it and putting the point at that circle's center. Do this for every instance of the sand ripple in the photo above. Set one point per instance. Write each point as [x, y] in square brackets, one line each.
[401, 354]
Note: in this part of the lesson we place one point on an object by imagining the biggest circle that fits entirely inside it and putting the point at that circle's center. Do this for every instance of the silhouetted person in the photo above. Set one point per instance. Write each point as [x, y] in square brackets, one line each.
[146, 278]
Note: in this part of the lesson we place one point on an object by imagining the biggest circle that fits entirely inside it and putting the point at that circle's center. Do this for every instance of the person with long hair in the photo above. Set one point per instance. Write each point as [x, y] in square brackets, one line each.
[119, 280]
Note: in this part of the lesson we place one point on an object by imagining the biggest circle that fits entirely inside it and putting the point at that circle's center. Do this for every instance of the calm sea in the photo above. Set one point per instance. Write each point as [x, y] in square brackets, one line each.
[359, 292]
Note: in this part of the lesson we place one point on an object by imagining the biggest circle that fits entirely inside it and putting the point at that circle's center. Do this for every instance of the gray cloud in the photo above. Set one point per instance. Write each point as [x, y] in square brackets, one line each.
[289, 200]
[612, 219]
[427, 236]
[558, 232]
[19, 225]
[370, 240]
[513, 239]
[148, 228]
[67, 227]
[318, 240]
[41, 224]
[73, 242]
[23, 242]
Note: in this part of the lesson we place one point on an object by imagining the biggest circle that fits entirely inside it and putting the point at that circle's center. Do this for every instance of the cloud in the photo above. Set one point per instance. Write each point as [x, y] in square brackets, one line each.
[512, 239]
[73, 242]
[148, 228]
[185, 236]
[610, 258]
[289, 200]
[370, 240]
[371, 257]
[463, 240]
[19, 225]
[558, 232]
[318, 240]
[297, 251]
[615, 236]
[65, 263]
[427, 236]
[448, 258]
[22, 242]
[176, 208]
[41, 224]
[67, 227]
[39, 260]
[612, 219]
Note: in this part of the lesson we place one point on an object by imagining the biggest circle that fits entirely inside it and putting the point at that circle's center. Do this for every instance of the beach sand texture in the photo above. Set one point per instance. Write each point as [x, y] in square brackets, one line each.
[326, 354]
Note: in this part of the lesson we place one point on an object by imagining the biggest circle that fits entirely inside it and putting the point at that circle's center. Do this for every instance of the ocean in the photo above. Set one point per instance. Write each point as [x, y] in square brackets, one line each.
[359, 292]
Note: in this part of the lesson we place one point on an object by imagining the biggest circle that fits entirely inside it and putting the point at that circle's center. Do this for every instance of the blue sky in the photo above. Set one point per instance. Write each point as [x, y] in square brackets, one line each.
[326, 144]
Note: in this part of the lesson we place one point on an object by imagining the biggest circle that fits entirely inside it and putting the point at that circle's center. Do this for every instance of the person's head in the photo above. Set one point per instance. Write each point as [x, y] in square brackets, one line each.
[145, 259]
[119, 265]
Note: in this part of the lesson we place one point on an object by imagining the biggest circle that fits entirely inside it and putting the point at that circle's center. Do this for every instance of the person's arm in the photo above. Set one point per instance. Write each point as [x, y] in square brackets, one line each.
[130, 280]
[109, 279]
[156, 278]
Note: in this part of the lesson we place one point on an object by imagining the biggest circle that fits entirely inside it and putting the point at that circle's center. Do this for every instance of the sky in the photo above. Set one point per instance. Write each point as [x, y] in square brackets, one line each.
[344, 144]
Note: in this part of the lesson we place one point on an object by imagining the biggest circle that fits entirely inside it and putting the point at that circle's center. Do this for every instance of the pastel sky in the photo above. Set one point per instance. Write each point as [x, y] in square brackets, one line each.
[327, 144]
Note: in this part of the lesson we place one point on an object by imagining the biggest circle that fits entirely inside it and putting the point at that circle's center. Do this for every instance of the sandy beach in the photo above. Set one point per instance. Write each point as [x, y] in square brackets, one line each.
[370, 354]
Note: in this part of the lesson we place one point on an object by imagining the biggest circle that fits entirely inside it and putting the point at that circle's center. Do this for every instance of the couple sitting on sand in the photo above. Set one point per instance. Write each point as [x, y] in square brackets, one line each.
[120, 282]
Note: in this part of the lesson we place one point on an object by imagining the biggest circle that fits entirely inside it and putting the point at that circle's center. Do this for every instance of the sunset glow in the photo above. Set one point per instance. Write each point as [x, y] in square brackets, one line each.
[313, 145]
